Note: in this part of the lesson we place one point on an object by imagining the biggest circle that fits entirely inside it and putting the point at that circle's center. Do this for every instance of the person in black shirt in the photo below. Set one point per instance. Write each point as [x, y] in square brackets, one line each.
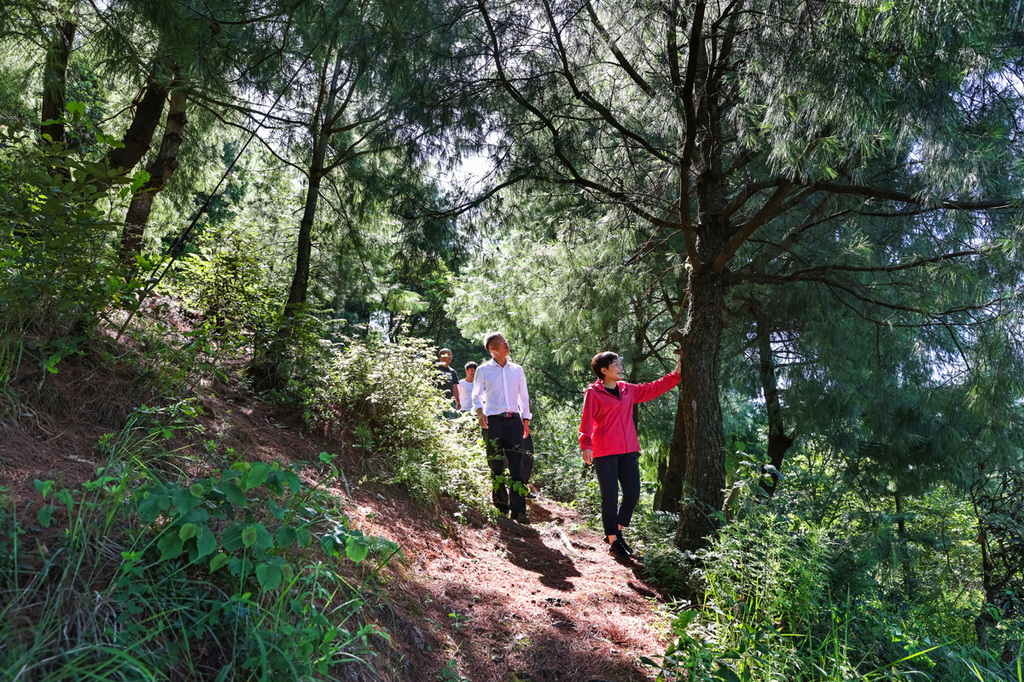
[449, 379]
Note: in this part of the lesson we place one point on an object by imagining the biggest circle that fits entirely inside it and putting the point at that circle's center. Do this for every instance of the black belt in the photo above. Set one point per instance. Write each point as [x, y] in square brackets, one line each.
[503, 415]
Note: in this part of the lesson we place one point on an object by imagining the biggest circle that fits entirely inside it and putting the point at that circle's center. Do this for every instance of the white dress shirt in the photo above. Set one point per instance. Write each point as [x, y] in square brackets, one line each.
[499, 389]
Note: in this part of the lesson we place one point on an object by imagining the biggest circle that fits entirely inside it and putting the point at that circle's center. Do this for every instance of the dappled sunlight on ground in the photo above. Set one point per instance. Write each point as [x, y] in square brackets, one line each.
[538, 602]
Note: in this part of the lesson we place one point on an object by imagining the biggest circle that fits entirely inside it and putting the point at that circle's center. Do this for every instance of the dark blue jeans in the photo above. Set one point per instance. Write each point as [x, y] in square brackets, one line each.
[613, 470]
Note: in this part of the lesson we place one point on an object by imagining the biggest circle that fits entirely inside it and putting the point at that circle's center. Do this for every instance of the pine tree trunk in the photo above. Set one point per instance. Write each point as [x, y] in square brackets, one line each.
[160, 171]
[321, 133]
[672, 473]
[299, 289]
[705, 316]
[985, 620]
[139, 135]
[778, 441]
[55, 80]
[702, 411]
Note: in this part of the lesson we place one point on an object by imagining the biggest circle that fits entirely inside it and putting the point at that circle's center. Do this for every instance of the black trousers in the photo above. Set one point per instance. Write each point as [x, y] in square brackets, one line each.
[611, 471]
[504, 439]
[527, 455]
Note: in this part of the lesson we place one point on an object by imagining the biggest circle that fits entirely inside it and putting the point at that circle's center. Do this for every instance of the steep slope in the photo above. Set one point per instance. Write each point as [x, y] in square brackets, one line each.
[469, 598]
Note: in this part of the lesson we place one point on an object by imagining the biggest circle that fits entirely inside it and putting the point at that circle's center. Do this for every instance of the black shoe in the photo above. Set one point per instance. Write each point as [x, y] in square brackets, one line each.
[625, 545]
[522, 518]
[531, 496]
[618, 550]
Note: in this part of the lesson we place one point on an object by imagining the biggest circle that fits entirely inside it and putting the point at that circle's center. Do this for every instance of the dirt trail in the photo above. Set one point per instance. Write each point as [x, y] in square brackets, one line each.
[496, 600]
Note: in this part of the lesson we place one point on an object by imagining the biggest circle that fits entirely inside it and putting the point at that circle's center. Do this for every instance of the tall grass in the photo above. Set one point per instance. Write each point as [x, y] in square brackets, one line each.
[769, 611]
[113, 582]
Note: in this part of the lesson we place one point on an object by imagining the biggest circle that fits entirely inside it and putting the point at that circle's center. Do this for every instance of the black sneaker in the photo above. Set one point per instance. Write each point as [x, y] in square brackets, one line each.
[618, 550]
[626, 545]
[522, 518]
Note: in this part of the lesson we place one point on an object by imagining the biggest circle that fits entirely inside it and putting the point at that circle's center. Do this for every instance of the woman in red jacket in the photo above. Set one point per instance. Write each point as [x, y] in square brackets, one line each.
[608, 440]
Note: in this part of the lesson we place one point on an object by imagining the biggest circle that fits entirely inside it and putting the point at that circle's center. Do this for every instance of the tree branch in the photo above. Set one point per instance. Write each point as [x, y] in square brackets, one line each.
[902, 197]
[619, 56]
[767, 212]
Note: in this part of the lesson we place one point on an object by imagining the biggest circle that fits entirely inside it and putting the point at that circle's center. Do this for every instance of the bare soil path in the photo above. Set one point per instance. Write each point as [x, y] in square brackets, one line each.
[495, 600]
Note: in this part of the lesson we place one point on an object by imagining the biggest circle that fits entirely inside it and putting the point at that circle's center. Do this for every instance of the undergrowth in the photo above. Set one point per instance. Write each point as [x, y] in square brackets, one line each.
[229, 576]
[771, 607]
[383, 395]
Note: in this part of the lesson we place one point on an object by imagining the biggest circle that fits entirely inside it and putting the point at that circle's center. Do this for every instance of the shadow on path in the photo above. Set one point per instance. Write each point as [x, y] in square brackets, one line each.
[527, 550]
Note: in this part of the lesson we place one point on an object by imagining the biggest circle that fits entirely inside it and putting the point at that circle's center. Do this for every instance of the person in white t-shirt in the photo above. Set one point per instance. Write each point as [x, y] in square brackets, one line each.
[466, 388]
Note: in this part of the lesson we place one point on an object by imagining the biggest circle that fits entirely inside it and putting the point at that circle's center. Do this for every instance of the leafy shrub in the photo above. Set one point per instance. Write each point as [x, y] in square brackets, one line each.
[227, 577]
[769, 611]
[384, 394]
[228, 282]
[58, 270]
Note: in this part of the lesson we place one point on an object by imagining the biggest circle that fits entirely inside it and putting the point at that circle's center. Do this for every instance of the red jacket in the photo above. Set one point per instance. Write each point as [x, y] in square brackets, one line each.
[607, 426]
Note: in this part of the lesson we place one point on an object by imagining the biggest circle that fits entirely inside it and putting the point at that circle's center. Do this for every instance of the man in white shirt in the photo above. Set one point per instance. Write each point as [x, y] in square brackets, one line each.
[502, 406]
[466, 388]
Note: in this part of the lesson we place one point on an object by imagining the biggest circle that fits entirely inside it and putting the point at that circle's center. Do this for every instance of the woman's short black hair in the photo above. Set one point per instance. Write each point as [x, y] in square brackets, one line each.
[602, 361]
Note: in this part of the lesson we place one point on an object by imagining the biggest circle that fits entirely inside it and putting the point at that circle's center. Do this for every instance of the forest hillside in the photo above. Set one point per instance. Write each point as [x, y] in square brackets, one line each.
[443, 587]
[775, 245]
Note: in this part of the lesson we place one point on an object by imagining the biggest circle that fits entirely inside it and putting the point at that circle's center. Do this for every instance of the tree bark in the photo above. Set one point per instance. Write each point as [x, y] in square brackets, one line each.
[672, 472]
[321, 134]
[55, 80]
[160, 171]
[702, 412]
[778, 441]
[299, 288]
[139, 136]
[984, 620]
[700, 514]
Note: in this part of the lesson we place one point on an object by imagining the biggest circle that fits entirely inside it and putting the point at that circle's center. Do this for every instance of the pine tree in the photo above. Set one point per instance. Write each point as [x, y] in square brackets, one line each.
[862, 154]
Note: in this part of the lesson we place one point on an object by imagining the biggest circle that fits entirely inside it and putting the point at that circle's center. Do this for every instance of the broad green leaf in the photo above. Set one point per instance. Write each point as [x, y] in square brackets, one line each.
[257, 475]
[234, 494]
[356, 549]
[151, 505]
[188, 531]
[184, 500]
[285, 535]
[269, 576]
[304, 537]
[206, 541]
[276, 510]
[45, 515]
[264, 540]
[249, 536]
[140, 178]
[231, 538]
[170, 546]
[292, 480]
